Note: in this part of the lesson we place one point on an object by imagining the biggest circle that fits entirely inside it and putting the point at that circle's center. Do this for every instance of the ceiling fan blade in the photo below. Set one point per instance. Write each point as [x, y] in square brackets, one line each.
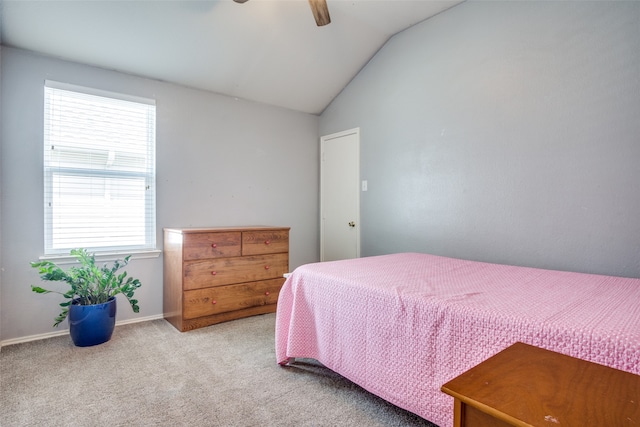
[320, 12]
[318, 7]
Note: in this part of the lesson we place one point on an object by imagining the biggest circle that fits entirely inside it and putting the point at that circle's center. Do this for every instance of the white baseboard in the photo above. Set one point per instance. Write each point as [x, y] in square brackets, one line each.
[66, 331]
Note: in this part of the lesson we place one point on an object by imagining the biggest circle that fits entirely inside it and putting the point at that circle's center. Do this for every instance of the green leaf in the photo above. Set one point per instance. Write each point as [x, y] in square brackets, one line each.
[61, 317]
[88, 283]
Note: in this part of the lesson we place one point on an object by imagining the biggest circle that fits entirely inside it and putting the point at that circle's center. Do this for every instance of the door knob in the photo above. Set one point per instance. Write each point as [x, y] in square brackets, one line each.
[352, 224]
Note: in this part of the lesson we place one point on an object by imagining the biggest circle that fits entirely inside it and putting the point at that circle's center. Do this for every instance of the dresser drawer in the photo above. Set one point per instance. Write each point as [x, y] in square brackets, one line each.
[240, 268]
[225, 271]
[265, 242]
[222, 299]
[212, 245]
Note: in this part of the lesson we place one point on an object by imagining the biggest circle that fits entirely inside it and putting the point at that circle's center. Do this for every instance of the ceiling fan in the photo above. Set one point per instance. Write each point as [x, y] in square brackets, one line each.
[319, 9]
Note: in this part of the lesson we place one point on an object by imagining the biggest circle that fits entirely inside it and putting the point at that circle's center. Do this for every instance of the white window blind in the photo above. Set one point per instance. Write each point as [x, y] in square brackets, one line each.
[99, 170]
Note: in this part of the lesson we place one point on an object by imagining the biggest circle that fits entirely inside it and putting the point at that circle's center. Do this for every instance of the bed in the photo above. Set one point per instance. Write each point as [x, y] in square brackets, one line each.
[402, 325]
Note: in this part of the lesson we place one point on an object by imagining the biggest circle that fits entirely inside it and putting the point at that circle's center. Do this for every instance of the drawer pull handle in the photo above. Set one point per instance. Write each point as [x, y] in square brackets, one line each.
[214, 245]
[267, 293]
[213, 273]
[214, 302]
[266, 267]
[266, 242]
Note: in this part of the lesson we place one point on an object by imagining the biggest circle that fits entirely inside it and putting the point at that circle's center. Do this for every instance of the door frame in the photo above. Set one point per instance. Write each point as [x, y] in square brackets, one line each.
[324, 139]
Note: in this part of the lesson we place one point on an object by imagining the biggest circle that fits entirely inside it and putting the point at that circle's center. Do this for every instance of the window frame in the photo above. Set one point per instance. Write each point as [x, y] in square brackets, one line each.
[149, 247]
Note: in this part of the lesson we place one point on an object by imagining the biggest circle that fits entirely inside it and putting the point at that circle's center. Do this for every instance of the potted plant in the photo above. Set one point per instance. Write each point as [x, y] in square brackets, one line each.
[90, 304]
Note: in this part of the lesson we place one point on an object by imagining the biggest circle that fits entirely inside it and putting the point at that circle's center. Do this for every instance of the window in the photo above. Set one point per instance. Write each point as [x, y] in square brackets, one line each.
[99, 170]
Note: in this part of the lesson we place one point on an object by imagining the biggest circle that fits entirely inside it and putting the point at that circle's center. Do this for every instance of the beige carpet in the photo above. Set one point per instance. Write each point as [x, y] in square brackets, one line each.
[150, 374]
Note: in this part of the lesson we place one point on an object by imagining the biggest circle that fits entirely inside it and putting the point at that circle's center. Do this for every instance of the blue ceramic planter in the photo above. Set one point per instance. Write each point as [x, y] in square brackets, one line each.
[92, 324]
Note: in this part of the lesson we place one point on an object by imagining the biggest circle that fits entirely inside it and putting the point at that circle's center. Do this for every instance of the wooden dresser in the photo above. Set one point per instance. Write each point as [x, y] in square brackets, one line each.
[212, 275]
[529, 386]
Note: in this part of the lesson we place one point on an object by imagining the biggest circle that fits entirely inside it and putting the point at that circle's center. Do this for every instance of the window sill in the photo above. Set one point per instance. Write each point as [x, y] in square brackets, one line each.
[105, 256]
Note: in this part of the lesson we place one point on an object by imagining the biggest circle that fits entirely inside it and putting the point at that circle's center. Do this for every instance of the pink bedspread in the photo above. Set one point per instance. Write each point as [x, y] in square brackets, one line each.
[402, 325]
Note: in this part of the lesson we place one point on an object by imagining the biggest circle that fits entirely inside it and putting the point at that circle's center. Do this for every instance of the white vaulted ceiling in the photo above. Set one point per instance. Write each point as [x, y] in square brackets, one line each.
[268, 51]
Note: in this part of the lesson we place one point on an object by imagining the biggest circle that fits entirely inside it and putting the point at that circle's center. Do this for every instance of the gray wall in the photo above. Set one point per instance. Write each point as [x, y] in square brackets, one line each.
[505, 132]
[1, 187]
[220, 161]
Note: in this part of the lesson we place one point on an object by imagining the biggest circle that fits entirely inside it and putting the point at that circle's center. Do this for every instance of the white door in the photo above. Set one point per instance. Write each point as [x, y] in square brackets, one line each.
[340, 196]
